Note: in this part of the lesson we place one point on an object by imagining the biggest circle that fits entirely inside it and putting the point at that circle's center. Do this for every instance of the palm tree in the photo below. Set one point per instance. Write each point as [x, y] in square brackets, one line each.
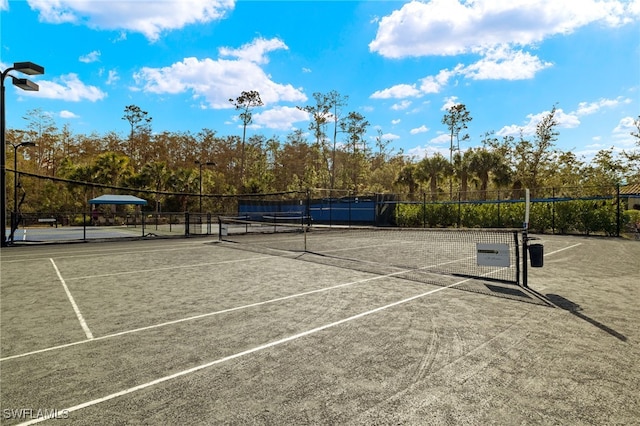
[155, 176]
[486, 163]
[462, 170]
[432, 169]
[112, 168]
[409, 176]
[186, 181]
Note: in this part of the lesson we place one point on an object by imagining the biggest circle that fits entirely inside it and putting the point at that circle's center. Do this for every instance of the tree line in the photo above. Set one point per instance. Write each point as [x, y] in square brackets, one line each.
[336, 152]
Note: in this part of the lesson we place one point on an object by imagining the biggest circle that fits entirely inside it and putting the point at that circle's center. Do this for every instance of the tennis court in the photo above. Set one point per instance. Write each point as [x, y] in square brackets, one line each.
[199, 331]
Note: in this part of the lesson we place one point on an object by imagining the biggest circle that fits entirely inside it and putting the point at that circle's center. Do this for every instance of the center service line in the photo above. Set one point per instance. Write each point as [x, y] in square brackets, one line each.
[241, 354]
[83, 323]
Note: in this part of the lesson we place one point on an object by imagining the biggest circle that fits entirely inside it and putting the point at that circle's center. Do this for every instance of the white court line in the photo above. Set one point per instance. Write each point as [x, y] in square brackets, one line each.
[563, 249]
[83, 324]
[168, 268]
[99, 251]
[239, 354]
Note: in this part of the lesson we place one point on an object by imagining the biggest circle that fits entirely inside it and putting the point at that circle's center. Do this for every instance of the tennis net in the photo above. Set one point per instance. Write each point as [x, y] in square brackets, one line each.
[489, 254]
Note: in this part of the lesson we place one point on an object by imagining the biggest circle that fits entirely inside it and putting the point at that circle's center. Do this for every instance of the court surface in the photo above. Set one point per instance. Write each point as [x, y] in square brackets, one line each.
[193, 331]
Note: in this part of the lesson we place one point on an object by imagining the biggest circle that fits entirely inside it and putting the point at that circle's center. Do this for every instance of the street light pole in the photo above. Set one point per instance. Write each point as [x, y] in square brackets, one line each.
[200, 163]
[28, 68]
[14, 217]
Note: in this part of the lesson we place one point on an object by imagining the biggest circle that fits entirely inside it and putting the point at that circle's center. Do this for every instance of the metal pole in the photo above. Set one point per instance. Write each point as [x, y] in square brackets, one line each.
[14, 221]
[200, 179]
[3, 207]
[28, 68]
[618, 217]
[525, 260]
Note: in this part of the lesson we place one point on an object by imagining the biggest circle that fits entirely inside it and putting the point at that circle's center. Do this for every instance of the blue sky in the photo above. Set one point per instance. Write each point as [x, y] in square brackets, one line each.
[401, 64]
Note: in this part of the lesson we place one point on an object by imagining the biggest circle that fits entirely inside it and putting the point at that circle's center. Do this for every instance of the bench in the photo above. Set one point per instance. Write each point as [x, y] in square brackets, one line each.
[50, 220]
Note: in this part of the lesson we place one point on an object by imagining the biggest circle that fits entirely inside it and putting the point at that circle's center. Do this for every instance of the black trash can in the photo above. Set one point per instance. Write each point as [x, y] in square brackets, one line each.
[536, 254]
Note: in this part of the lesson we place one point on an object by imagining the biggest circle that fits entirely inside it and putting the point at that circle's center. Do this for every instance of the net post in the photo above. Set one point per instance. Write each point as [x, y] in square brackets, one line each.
[525, 240]
[525, 269]
[517, 247]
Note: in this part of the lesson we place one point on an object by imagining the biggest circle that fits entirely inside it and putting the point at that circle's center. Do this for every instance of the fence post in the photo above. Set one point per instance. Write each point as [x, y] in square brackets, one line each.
[499, 204]
[424, 209]
[186, 224]
[308, 208]
[330, 208]
[618, 218]
[553, 211]
[349, 201]
[459, 209]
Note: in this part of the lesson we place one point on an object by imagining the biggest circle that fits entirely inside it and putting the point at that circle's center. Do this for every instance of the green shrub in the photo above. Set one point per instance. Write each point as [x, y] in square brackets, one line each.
[564, 217]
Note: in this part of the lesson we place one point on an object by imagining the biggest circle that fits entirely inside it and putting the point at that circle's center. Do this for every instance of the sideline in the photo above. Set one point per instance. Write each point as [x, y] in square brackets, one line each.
[83, 323]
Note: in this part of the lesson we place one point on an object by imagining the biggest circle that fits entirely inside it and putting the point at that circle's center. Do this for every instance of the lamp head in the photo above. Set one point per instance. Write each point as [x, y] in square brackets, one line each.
[28, 68]
[25, 84]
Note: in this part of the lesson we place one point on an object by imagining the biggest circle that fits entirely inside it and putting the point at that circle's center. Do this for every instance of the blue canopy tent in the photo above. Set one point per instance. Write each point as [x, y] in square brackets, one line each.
[118, 199]
[113, 200]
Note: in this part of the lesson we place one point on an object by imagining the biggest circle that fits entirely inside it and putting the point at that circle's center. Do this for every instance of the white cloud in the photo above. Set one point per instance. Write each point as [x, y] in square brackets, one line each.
[398, 91]
[433, 84]
[502, 63]
[255, 51]
[572, 119]
[280, 118]
[112, 77]
[564, 120]
[390, 137]
[421, 129]
[449, 102]
[220, 80]
[426, 151]
[90, 57]
[149, 18]
[394, 122]
[68, 88]
[67, 114]
[4, 4]
[442, 139]
[452, 27]
[622, 133]
[587, 108]
[401, 105]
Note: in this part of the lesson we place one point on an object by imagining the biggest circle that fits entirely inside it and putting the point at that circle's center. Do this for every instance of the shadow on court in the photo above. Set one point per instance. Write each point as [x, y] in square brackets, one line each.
[576, 309]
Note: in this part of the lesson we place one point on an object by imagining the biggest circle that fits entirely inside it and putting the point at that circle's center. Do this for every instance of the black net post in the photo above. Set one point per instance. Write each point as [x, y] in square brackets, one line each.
[525, 260]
